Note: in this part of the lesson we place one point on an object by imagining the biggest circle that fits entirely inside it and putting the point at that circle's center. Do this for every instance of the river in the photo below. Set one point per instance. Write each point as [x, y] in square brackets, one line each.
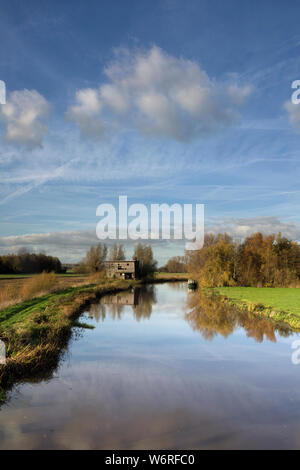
[163, 368]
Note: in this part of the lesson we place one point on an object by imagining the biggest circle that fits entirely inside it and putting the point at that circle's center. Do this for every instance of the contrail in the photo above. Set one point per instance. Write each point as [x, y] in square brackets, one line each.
[57, 172]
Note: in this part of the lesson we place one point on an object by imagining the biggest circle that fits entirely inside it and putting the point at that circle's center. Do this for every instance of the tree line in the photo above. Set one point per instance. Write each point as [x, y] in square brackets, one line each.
[259, 261]
[176, 264]
[97, 255]
[28, 263]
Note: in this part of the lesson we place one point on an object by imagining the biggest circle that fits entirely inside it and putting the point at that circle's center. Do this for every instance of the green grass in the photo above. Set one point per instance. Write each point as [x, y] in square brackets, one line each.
[15, 276]
[19, 312]
[280, 299]
[22, 276]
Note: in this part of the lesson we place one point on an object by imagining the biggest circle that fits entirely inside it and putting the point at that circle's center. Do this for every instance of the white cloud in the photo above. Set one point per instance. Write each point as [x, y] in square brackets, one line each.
[294, 114]
[72, 246]
[24, 114]
[159, 95]
[86, 113]
[241, 228]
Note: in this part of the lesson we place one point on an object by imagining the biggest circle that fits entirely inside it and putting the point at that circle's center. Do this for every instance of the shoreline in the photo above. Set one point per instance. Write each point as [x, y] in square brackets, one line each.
[37, 331]
[258, 308]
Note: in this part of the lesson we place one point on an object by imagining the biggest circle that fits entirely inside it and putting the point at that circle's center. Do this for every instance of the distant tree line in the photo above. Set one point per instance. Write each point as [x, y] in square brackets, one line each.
[269, 261]
[176, 264]
[28, 263]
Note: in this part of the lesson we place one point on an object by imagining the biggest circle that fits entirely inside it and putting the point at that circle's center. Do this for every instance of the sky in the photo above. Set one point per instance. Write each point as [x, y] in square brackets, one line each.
[167, 101]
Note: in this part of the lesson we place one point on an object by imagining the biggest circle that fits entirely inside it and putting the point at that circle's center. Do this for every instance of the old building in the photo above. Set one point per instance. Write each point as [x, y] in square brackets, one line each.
[123, 269]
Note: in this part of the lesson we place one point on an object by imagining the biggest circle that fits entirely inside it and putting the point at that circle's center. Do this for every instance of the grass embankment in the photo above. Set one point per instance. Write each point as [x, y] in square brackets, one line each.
[24, 276]
[18, 288]
[280, 304]
[37, 324]
[35, 331]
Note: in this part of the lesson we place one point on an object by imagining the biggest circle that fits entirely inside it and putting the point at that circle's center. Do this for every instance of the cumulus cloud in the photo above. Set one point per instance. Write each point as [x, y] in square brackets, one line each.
[71, 246]
[24, 114]
[242, 227]
[68, 245]
[294, 114]
[159, 95]
[86, 113]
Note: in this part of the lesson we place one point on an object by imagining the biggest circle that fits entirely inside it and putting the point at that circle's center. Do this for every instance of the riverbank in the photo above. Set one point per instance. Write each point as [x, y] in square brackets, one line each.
[36, 331]
[279, 304]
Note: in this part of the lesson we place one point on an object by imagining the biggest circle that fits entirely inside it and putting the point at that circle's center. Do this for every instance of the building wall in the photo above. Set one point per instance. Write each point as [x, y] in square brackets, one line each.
[124, 269]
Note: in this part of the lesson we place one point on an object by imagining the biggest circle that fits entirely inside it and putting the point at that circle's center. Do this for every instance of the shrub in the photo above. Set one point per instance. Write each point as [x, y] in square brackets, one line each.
[42, 283]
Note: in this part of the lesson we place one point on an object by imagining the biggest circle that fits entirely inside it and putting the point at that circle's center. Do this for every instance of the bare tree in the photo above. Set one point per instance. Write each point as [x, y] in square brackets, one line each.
[95, 258]
[116, 253]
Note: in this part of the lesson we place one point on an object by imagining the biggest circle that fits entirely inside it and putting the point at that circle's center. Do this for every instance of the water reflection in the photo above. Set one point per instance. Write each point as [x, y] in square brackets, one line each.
[139, 299]
[145, 378]
[211, 315]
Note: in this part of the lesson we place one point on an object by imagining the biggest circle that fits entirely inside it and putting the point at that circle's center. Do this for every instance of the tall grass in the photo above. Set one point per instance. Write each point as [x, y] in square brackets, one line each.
[11, 293]
[16, 291]
[41, 284]
[7, 295]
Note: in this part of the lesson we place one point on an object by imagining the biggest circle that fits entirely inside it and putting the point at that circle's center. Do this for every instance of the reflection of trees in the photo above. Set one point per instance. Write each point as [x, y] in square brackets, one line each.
[97, 311]
[115, 311]
[178, 286]
[212, 315]
[146, 298]
[140, 299]
[100, 311]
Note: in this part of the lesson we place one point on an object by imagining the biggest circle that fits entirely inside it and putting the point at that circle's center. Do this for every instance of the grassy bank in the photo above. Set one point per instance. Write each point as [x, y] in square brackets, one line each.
[280, 304]
[16, 289]
[36, 330]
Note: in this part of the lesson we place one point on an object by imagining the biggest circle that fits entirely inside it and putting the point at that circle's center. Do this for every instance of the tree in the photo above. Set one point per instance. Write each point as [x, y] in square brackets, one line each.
[177, 264]
[116, 253]
[259, 261]
[147, 264]
[28, 263]
[95, 258]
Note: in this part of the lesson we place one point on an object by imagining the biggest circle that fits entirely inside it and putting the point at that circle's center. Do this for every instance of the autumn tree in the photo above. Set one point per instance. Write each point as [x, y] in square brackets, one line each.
[176, 264]
[270, 261]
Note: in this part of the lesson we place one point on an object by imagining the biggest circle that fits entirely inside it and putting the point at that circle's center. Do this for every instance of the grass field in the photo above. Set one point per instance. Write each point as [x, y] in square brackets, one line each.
[23, 276]
[280, 299]
[169, 276]
[12, 285]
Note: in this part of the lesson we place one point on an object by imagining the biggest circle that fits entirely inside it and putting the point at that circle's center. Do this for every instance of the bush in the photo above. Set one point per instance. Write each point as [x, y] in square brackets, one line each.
[43, 283]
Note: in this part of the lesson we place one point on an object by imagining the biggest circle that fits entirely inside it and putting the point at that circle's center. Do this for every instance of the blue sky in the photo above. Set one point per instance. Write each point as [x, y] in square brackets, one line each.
[165, 101]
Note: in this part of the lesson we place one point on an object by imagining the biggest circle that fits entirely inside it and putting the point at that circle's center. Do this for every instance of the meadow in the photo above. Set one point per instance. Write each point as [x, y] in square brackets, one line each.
[280, 303]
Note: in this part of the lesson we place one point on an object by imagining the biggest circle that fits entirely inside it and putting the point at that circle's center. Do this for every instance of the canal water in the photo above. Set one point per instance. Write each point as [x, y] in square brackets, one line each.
[164, 368]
